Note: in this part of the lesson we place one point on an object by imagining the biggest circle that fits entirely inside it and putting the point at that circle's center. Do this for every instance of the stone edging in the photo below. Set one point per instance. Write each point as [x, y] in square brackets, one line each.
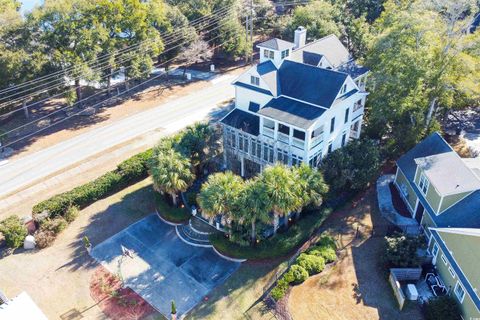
[190, 243]
[173, 224]
[226, 257]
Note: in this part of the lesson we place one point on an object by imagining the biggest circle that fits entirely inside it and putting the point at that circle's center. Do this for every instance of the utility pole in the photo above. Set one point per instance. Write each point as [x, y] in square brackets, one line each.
[252, 12]
[246, 36]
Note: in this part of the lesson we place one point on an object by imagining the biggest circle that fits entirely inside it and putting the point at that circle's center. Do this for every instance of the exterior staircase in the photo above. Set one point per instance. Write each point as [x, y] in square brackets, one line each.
[195, 233]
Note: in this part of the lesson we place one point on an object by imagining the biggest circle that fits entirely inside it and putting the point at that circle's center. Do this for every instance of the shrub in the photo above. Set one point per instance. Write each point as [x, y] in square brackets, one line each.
[442, 308]
[71, 214]
[44, 238]
[298, 273]
[313, 264]
[55, 225]
[401, 250]
[14, 231]
[327, 253]
[279, 291]
[327, 241]
[127, 172]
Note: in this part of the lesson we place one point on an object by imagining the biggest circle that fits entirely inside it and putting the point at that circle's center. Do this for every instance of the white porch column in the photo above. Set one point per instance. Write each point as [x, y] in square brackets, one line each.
[242, 166]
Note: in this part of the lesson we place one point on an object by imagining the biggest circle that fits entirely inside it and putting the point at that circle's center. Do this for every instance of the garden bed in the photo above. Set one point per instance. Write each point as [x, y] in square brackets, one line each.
[171, 213]
[116, 301]
[398, 203]
[280, 245]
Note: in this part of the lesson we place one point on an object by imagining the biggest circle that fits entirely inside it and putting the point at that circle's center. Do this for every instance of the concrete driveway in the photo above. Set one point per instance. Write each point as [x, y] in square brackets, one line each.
[162, 267]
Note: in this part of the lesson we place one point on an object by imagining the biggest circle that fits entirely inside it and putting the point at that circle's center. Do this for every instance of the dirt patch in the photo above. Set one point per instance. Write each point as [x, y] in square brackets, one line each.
[356, 286]
[116, 301]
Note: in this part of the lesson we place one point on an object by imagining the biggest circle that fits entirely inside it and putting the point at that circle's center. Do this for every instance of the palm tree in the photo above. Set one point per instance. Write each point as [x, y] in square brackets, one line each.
[253, 206]
[199, 143]
[312, 185]
[283, 191]
[219, 194]
[171, 173]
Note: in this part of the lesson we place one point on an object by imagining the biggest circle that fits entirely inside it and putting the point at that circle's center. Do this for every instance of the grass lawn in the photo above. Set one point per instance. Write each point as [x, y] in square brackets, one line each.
[281, 245]
[169, 213]
[239, 295]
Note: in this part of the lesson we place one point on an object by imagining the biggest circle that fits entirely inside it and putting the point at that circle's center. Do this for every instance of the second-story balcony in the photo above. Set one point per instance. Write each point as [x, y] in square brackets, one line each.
[268, 132]
[282, 137]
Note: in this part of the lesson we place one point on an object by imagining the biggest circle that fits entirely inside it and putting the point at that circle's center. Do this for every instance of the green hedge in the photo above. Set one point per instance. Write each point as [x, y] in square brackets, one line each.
[280, 245]
[128, 172]
[14, 231]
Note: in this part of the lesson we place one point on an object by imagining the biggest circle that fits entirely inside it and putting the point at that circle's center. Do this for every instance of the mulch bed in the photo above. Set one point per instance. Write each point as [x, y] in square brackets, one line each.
[398, 203]
[116, 301]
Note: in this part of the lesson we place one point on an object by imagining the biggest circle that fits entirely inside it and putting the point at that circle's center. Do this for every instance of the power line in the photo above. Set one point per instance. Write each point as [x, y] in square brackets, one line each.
[77, 113]
[193, 23]
[125, 59]
[171, 36]
[102, 91]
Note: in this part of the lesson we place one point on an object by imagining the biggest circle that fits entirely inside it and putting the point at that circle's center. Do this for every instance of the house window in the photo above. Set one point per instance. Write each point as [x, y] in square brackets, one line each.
[347, 112]
[423, 184]
[256, 148]
[285, 53]
[459, 292]
[357, 105]
[344, 88]
[255, 80]
[332, 125]
[299, 134]
[284, 129]
[444, 259]
[282, 156]
[451, 272]
[329, 148]
[316, 159]
[344, 139]
[272, 54]
[435, 249]
[296, 160]
[267, 153]
[243, 143]
[266, 53]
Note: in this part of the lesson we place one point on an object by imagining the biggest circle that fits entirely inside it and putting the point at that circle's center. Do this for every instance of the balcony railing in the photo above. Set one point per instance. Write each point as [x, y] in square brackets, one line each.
[282, 137]
[268, 132]
[297, 143]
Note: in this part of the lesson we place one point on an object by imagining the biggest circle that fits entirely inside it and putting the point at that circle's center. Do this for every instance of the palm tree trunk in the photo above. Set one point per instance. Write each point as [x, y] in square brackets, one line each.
[285, 221]
[275, 222]
[174, 198]
[254, 233]
[78, 90]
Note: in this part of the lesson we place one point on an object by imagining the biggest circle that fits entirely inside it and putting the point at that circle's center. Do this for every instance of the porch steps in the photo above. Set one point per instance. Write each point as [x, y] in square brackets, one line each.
[192, 237]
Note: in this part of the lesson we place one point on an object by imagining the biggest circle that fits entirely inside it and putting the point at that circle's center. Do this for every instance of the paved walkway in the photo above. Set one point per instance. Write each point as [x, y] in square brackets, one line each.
[387, 209]
[49, 171]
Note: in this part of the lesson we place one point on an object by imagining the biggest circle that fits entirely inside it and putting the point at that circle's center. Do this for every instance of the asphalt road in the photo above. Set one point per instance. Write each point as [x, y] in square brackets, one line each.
[18, 174]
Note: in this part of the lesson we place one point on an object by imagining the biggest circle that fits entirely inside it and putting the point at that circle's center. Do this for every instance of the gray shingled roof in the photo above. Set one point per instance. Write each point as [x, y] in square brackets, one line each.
[330, 47]
[301, 115]
[311, 58]
[276, 44]
[433, 144]
[242, 120]
[268, 72]
[438, 169]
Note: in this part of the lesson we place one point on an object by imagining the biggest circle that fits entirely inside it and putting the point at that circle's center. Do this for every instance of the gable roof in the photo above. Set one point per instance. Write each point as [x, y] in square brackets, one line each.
[436, 233]
[242, 120]
[310, 84]
[268, 72]
[438, 169]
[311, 58]
[330, 46]
[276, 44]
[352, 68]
[433, 144]
[291, 111]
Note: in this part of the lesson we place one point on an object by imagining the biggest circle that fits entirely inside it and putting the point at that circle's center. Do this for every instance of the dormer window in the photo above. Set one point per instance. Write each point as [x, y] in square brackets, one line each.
[269, 54]
[255, 80]
[285, 53]
[423, 184]
[344, 89]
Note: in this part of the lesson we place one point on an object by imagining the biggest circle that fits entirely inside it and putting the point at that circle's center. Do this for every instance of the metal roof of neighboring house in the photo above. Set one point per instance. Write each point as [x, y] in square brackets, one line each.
[330, 47]
[310, 84]
[276, 44]
[21, 307]
[299, 114]
[433, 144]
[353, 69]
[458, 271]
[448, 173]
[473, 164]
[242, 120]
[345, 96]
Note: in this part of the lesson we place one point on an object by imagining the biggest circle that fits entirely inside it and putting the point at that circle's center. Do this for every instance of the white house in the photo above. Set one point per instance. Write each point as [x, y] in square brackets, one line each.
[299, 103]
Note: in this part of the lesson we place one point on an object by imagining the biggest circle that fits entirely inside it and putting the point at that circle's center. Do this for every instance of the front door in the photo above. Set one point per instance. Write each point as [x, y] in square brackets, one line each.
[419, 212]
